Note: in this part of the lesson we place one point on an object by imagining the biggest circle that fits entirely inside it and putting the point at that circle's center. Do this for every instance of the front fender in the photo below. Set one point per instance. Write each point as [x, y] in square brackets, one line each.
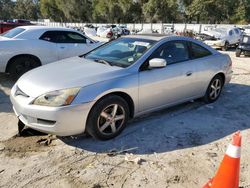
[127, 84]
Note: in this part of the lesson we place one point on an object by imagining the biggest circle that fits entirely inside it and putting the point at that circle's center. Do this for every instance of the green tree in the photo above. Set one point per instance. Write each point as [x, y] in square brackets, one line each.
[6, 9]
[129, 11]
[50, 10]
[241, 13]
[26, 9]
[107, 11]
[76, 10]
[205, 10]
[161, 10]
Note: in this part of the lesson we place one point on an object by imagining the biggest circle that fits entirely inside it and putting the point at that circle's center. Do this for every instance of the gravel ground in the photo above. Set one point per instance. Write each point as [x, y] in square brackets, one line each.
[177, 147]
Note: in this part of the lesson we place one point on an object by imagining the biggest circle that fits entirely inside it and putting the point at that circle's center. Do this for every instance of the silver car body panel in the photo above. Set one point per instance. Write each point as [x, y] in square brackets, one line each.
[149, 90]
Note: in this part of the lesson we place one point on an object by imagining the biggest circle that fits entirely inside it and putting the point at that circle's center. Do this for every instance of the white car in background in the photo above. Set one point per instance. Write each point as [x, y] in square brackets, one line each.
[247, 30]
[90, 32]
[103, 31]
[222, 37]
[27, 47]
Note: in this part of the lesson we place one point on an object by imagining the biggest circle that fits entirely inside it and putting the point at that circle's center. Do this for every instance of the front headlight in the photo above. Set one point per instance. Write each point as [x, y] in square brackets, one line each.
[57, 98]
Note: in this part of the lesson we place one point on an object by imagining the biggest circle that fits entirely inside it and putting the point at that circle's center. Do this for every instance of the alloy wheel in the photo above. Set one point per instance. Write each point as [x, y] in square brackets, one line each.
[215, 89]
[111, 119]
[23, 67]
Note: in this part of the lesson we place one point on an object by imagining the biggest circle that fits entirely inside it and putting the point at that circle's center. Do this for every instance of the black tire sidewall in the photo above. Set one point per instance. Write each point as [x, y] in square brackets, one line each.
[207, 98]
[238, 52]
[92, 127]
[225, 47]
[19, 60]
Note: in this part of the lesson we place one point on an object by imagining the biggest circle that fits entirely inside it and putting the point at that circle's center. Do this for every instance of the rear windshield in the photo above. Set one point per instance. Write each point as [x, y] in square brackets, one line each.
[246, 39]
[13, 32]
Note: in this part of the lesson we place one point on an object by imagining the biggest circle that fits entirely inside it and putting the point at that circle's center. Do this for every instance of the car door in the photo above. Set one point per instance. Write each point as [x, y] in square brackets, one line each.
[47, 47]
[168, 85]
[232, 39]
[203, 61]
[71, 44]
[238, 35]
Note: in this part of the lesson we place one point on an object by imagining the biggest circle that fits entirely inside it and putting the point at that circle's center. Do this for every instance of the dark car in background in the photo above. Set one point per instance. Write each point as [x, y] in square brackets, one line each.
[11, 24]
[244, 46]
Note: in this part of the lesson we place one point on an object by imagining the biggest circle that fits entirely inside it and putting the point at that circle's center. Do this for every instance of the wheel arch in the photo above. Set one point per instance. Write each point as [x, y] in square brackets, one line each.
[123, 95]
[18, 56]
[222, 75]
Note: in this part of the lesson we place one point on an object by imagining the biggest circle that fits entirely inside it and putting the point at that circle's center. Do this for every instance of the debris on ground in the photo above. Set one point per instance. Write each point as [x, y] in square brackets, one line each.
[210, 106]
[47, 141]
[131, 158]
[115, 152]
[2, 148]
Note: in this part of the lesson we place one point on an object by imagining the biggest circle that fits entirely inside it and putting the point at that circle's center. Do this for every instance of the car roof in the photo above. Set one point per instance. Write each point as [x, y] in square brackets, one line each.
[34, 32]
[36, 27]
[227, 28]
[155, 37]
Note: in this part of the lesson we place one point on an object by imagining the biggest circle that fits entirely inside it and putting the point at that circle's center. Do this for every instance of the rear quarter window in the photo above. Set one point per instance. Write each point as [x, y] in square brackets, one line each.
[63, 37]
[49, 36]
[198, 51]
[13, 32]
[237, 31]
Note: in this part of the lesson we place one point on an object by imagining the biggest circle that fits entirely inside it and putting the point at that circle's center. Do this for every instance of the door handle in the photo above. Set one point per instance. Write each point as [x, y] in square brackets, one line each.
[62, 47]
[189, 73]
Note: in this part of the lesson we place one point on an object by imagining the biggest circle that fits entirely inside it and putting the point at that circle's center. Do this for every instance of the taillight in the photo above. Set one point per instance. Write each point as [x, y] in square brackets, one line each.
[110, 34]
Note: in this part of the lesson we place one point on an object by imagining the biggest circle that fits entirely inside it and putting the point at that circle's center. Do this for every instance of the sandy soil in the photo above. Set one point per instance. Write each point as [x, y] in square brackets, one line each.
[178, 147]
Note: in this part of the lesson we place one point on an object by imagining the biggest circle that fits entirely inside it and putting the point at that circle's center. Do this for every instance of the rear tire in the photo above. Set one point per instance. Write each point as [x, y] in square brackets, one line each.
[238, 52]
[21, 65]
[108, 118]
[214, 89]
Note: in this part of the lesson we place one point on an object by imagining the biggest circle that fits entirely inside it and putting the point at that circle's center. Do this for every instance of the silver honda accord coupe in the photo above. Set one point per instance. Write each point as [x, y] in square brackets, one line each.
[100, 91]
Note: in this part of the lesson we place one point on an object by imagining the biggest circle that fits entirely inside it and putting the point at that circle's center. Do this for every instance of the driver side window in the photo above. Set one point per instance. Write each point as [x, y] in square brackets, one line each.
[172, 52]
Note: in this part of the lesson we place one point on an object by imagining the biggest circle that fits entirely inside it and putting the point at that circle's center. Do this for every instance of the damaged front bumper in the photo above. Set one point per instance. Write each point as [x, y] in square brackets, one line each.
[215, 43]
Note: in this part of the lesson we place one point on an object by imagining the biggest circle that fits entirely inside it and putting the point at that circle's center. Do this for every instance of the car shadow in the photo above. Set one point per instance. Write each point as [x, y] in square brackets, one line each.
[5, 85]
[188, 125]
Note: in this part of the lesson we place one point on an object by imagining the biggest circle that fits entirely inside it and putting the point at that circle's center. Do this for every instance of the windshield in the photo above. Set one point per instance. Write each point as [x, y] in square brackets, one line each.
[13, 32]
[122, 52]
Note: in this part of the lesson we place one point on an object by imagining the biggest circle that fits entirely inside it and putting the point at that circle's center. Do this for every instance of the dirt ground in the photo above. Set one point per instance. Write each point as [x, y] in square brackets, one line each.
[177, 147]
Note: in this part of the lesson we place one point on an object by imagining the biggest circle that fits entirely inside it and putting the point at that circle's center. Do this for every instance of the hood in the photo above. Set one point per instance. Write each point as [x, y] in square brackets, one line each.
[67, 73]
[214, 34]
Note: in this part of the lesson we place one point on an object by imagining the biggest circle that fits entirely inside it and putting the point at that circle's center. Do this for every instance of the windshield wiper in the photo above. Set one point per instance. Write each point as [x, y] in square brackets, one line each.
[103, 62]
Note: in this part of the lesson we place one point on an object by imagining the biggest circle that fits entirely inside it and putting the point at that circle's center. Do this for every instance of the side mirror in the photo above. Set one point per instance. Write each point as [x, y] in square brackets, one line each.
[157, 63]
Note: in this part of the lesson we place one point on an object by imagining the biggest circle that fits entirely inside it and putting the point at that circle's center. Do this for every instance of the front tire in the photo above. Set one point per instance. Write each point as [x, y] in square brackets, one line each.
[21, 127]
[21, 65]
[238, 52]
[225, 47]
[214, 89]
[108, 118]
